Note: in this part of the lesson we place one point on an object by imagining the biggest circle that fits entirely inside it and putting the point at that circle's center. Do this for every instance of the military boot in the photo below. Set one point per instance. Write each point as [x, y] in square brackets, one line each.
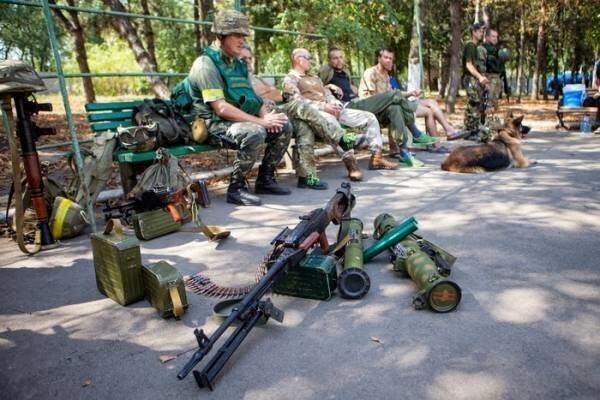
[237, 192]
[349, 161]
[378, 162]
[266, 183]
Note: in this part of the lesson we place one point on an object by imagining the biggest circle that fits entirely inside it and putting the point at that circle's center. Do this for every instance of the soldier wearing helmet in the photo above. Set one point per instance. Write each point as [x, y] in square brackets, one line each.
[495, 69]
[233, 114]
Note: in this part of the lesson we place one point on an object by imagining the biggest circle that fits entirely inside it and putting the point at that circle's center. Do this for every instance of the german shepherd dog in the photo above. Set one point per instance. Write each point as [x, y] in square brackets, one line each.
[504, 146]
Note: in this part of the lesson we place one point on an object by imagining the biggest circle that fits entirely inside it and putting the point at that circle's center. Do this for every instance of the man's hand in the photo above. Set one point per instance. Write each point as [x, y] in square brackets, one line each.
[333, 109]
[273, 122]
[415, 93]
[336, 90]
[483, 80]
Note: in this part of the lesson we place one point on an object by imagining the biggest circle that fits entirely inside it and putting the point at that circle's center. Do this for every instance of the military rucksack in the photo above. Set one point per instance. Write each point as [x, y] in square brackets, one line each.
[171, 127]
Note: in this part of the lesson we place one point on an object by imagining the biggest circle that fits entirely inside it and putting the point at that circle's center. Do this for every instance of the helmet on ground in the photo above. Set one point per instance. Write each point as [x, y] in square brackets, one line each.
[18, 77]
[503, 54]
[231, 21]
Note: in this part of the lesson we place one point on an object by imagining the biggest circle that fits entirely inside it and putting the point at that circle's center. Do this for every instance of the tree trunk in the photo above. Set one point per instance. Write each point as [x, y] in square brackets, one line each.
[443, 79]
[521, 49]
[415, 66]
[205, 36]
[73, 26]
[541, 53]
[149, 34]
[124, 27]
[455, 52]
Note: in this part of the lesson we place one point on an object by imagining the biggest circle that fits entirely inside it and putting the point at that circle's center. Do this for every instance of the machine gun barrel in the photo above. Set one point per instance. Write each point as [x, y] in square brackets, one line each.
[290, 248]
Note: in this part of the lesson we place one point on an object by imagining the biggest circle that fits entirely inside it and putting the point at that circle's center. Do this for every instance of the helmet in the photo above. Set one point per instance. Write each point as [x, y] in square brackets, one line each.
[199, 131]
[231, 21]
[503, 54]
[18, 77]
[138, 138]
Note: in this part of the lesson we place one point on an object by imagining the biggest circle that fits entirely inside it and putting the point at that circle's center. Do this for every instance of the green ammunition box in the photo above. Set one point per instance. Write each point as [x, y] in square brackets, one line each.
[152, 224]
[118, 264]
[164, 289]
[315, 278]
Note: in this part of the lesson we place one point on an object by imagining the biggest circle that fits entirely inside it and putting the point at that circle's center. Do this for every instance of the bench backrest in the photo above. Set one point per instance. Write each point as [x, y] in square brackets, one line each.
[110, 115]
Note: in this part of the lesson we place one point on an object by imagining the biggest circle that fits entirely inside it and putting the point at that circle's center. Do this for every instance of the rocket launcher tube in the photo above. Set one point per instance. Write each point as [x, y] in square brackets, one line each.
[439, 293]
[390, 237]
[353, 281]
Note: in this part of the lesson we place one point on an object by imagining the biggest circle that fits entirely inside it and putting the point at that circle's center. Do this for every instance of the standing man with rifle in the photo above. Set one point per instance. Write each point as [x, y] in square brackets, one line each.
[234, 115]
[474, 80]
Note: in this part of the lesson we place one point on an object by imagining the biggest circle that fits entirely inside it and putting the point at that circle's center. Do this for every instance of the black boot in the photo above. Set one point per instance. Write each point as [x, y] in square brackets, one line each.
[266, 183]
[237, 193]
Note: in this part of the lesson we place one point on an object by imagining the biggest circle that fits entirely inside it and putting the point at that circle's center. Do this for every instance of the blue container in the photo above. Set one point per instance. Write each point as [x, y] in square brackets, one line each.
[573, 99]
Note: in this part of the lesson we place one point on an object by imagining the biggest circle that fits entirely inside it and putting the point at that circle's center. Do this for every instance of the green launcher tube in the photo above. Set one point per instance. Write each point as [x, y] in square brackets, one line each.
[435, 290]
[353, 282]
[388, 234]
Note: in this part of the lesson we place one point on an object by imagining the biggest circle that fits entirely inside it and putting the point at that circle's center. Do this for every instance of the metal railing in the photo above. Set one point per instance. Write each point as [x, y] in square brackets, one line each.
[51, 27]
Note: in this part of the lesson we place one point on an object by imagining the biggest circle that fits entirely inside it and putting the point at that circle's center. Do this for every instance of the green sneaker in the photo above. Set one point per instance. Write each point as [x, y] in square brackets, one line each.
[410, 162]
[311, 182]
[425, 139]
[348, 140]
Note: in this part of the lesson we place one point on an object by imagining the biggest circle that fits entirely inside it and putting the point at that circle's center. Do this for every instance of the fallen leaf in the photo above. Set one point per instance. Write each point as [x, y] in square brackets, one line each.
[376, 339]
[166, 358]
[87, 382]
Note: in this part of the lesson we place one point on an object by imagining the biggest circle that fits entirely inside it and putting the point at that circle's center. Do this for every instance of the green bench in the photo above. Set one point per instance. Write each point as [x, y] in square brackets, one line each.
[110, 115]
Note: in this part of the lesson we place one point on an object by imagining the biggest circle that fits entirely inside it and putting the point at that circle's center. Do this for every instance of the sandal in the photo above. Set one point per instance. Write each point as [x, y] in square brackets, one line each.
[458, 135]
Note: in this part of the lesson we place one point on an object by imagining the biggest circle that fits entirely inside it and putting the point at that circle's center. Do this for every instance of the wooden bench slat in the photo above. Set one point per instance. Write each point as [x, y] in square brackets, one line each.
[109, 126]
[110, 116]
[577, 109]
[112, 106]
[132, 157]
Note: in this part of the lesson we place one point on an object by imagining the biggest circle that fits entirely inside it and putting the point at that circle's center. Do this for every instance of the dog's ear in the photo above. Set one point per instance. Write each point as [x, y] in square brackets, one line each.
[509, 115]
[518, 120]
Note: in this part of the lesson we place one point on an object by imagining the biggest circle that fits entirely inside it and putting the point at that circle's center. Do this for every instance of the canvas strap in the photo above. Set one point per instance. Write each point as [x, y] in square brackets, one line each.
[176, 301]
[16, 164]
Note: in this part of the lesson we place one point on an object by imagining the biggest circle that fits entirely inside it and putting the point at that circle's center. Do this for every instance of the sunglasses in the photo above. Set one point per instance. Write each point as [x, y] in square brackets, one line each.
[306, 57]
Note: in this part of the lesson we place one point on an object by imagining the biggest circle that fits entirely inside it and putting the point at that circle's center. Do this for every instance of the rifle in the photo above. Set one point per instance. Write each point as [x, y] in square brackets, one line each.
[289, 248]
[483, 105]
[156, 198]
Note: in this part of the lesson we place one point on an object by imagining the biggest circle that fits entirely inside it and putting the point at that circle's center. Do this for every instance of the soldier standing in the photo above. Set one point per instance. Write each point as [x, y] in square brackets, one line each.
[495, 69]
[473, 79]
[224, 99]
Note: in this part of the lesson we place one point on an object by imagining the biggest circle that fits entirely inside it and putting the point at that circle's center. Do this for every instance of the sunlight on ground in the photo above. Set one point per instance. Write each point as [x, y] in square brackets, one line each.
[518, 306]
[297, 387]
[405, 356]
[464, 386]
[582, 331]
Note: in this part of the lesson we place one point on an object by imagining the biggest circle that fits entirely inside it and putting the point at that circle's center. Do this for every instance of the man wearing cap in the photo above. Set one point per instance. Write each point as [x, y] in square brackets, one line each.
[474, 79]
[300, 84]
[224, 99]
[495, 69]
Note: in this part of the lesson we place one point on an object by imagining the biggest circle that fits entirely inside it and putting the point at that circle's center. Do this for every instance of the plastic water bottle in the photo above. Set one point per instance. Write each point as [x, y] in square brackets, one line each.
[586, 125]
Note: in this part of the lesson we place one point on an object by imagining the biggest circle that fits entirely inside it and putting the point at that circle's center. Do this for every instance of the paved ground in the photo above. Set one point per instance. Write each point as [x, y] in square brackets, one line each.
[527, 328]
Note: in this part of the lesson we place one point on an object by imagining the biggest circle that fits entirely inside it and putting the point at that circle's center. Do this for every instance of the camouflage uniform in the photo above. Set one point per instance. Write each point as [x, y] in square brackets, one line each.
[207, 83]
[475, 91]
[494, 70]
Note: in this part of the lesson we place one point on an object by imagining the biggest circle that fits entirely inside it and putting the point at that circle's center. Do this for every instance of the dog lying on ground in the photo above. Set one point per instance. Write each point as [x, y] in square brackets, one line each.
[504, 146]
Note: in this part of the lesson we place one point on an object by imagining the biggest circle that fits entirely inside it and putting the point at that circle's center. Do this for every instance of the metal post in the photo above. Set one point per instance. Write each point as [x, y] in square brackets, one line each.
[70, 123]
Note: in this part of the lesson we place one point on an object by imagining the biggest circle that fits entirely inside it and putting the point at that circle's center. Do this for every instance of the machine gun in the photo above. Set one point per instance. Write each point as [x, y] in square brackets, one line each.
[289, 248]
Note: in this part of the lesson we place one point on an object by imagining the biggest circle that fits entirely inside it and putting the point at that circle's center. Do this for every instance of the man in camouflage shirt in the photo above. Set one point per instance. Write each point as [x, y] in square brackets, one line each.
[474, 79]
[307, 123]
[234, 115]
[301, 85]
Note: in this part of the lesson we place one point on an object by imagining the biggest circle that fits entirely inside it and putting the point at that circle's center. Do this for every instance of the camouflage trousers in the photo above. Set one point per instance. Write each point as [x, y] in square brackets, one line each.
[308, 124]
[363, 121]
[251, 140]
[495, 89]
[474, 102]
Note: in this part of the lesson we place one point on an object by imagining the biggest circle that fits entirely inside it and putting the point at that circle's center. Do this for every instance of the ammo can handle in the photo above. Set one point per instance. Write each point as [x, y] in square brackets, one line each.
[114, 224]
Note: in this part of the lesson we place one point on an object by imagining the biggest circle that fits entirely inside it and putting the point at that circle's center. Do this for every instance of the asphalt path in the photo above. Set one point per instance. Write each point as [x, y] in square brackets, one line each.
[528, 327]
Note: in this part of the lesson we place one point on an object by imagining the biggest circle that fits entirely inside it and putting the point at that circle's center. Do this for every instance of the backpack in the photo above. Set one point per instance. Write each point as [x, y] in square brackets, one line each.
[171, 127]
